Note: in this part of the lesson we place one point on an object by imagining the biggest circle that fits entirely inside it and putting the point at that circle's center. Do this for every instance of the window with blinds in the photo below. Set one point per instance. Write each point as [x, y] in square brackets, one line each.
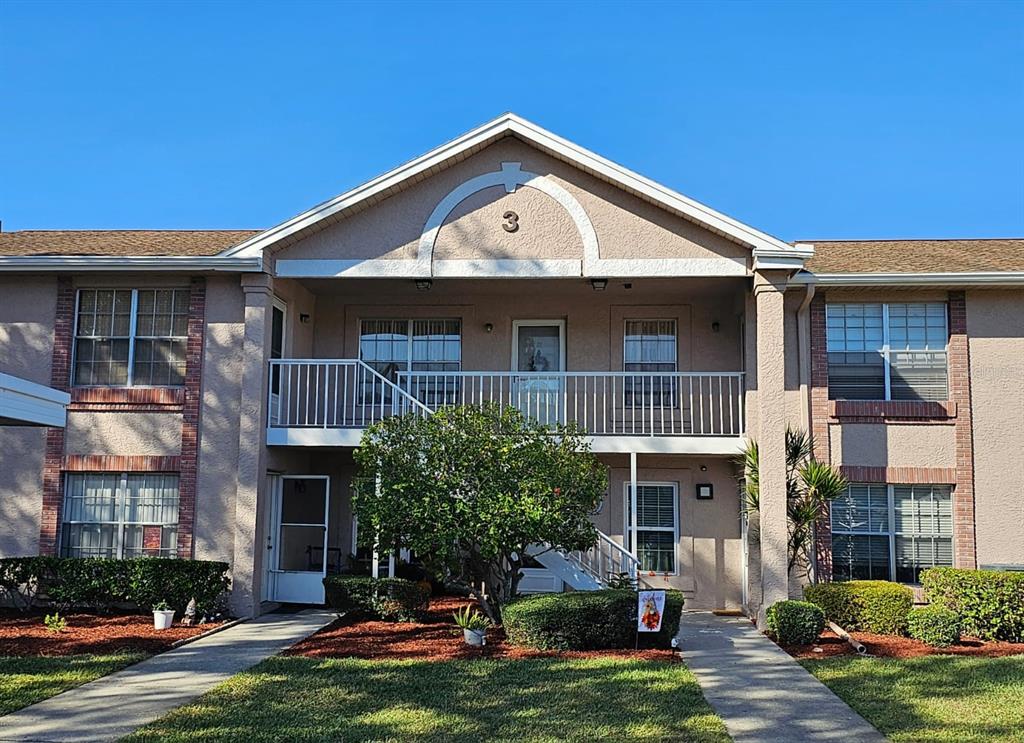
[650, 347]
[891, 532]
[131, 337]
[393, 346]
[654, 532]
[120, 515]
[887, 351]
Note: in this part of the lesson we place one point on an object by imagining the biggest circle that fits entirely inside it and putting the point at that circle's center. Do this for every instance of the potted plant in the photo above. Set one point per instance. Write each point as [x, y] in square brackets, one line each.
[473, 624]
[163, 615]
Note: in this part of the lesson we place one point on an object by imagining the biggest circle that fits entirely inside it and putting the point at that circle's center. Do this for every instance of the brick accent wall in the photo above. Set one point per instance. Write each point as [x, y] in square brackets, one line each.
[964, 547]
[819, 410]
[128, 399]
[190, 417]
[60, 373]
[119, 463]
[900, 475]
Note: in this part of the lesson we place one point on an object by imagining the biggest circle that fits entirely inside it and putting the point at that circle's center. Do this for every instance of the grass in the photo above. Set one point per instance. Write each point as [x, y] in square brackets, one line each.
[27, 680]
[536, 700]
[932, 698]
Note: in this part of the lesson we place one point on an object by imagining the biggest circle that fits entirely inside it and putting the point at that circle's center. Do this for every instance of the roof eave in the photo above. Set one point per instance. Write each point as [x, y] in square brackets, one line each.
[973, 278]
[122, 263]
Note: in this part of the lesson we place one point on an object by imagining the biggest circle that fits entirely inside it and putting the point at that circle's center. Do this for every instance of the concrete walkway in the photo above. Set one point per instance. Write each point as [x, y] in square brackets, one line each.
[759, 690]
[115, 705]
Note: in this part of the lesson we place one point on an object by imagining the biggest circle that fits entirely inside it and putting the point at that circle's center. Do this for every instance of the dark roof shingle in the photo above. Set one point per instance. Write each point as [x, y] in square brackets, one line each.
[121, 242]
[916, 256]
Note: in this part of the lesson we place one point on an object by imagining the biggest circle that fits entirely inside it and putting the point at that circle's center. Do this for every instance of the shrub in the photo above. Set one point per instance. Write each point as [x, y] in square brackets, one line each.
[990, 603]
[55, 623]
[390, 599]
[795, 622]
[103, 585]
[586, 620]
[867, 605]
[935, 625]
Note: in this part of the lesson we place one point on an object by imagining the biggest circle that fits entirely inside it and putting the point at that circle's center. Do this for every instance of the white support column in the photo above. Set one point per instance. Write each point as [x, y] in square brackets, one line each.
[632, 546]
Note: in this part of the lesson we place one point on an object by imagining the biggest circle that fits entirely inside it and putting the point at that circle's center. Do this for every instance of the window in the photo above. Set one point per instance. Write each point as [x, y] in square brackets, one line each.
[120, 515]
[655, 532]
[650, 346]
[887, 351]
[393, 346]
[891, 532]
[131, 337]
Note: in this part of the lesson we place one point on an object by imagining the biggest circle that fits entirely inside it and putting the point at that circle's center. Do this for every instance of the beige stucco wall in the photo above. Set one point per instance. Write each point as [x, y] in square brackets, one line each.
[116, 433]
[880, 445]
[27, 310]
[627, 227]
[995, 326]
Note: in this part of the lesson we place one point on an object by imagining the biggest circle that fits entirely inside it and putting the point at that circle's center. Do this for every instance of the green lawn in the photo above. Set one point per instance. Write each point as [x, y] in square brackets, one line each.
[934, 698]
[547, 699]
[27, 680]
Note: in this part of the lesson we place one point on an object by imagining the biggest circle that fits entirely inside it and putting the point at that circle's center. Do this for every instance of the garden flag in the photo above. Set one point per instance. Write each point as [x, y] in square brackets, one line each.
[650, 608]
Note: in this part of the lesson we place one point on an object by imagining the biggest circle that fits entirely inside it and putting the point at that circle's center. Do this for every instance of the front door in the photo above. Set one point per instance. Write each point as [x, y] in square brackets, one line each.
[298, 550]
[538, 353]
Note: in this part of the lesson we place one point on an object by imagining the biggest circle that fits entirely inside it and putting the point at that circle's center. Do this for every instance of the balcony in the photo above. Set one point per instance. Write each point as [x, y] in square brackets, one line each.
[316, 402]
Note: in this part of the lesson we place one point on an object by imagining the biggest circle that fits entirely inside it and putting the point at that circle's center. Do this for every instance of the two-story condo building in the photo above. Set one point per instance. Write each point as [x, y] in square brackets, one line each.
[217, 382]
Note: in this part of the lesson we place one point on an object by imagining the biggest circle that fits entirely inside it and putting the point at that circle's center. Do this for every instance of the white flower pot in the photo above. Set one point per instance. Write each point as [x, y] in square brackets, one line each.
[163, 619]
[475, 637]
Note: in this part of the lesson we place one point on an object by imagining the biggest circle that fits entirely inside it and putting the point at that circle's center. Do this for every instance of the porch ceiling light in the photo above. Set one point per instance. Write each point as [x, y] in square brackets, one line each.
[424, 284]
[599, 284]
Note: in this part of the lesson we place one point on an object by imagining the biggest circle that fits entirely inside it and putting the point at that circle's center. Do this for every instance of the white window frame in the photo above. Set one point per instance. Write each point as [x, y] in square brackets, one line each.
[120, 505]
[891, 534]
[132, 337]
[630, 530]
[886, 348]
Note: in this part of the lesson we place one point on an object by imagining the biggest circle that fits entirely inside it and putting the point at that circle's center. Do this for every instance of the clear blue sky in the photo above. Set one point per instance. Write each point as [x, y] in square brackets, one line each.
[807, 120]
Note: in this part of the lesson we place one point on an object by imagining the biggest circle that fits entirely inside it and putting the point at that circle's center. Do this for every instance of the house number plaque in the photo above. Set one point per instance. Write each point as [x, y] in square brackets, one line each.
[511, 223]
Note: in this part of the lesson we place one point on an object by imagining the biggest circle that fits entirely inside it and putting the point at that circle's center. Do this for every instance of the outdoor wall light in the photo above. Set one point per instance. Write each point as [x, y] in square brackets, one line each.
[715, 327]
[304, 318]
[424, 284]
[705, 491]
[703, 468]
[488, 327]
[599, 284]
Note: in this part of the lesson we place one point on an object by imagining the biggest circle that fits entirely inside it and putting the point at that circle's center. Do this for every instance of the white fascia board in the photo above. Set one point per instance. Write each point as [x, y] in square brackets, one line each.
[980, 278]
[791, 259]
[314, 436]
[29, 403]
[584, 158]
[700, 445]
[108, 263]
[539, 268]
[625, 268]
[373, 268]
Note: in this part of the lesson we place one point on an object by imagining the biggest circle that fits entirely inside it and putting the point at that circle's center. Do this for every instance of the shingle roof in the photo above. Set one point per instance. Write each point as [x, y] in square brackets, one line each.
[916, 256]
[121, 242]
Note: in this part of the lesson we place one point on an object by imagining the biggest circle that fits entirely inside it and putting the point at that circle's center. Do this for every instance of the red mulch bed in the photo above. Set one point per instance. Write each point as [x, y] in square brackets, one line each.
[888, 646]
[25, 634]
[433, 639]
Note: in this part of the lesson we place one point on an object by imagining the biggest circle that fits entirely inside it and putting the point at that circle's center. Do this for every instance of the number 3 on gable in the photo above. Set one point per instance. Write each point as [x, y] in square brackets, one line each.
[511, 223]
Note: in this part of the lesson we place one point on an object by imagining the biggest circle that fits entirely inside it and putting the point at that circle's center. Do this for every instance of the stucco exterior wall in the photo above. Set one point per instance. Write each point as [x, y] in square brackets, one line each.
[627, 227]
[995, 327]
[154, 434]
[881, 445]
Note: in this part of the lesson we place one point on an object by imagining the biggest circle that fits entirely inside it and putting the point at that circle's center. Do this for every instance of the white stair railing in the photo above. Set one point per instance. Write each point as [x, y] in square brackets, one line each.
[606, 560]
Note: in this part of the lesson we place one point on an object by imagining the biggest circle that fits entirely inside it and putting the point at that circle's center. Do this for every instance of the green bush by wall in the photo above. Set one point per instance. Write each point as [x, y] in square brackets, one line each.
[586, 620]
[795, 622]
[866, 605]
[390, 599]
[935, 625]
[990, 603]
[103, 585]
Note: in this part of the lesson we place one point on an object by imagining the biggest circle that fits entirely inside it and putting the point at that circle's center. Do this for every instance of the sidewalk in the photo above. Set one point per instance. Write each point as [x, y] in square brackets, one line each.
[760, 692]
[115, 705]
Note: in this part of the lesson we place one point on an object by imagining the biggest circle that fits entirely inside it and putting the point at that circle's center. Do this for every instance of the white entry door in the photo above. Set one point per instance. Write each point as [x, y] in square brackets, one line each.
[538, 352]
[298, 548]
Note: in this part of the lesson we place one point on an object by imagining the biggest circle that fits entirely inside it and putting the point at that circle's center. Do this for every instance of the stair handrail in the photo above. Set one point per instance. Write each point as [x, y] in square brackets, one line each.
[407, 399]
[606, 558]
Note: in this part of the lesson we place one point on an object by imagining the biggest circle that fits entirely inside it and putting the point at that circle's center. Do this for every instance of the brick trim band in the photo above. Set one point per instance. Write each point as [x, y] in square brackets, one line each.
[964, 546]
[879, 411]
[187, 484]
[900, 475]
[60, 370]
[128, 399]
[119, 463]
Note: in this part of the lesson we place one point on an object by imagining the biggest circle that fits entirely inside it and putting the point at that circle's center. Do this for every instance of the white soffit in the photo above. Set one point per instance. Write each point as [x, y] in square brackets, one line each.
[763, 245]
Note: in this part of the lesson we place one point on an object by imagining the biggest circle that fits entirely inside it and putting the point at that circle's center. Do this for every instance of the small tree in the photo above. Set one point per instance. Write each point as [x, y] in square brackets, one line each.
[471, 489]
[810, 486]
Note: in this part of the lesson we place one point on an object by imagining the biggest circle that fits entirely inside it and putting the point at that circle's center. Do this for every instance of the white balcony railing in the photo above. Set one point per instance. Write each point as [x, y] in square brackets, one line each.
[347, 393]
[602, 403]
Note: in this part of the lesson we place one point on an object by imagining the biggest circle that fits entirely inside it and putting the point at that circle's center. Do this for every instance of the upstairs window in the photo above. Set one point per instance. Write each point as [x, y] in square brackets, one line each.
[431, 346]
[650, 348]
[891, 532]
[131, 337]
[887, 351]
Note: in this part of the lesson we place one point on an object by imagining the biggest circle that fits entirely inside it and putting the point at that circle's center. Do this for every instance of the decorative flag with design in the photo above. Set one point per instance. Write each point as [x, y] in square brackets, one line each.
[650, 609]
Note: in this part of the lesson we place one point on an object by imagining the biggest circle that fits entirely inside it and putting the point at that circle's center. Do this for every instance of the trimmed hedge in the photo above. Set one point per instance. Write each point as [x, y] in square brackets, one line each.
[935, 625]
[103, 585]
[795, 622]
[586, 620]
[390, 599]
[866, 605]
[990, 603]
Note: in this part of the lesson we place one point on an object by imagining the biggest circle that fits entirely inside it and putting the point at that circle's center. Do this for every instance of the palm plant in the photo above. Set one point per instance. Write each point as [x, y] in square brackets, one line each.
[810, 486]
